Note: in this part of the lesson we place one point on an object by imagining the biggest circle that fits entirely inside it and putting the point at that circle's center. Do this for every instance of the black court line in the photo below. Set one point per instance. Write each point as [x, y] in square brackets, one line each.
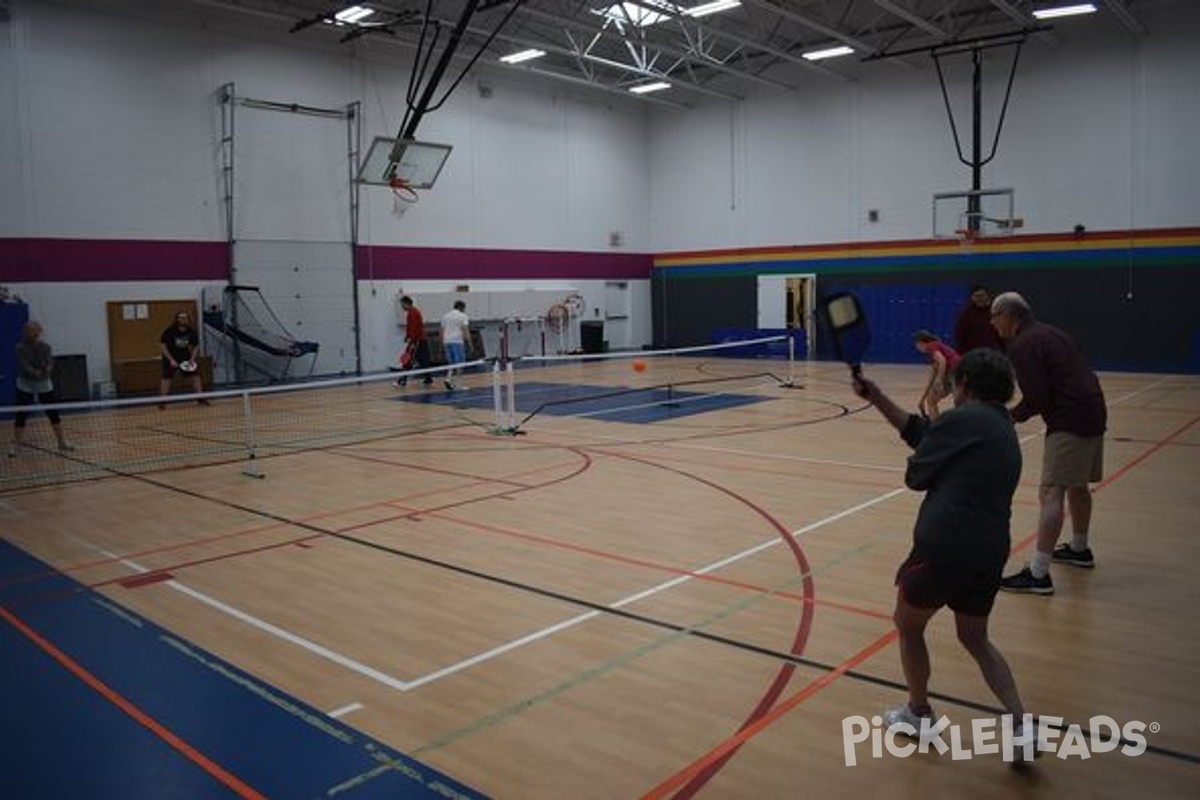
[1186, 757]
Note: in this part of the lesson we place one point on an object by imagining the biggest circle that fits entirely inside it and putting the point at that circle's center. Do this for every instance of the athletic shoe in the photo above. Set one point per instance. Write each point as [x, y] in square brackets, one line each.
[66, 447]
[400, 383]
[14, 451]
[905, 714]
[450, 387]
[1024, 582]
[1064, 554]
[203, 402]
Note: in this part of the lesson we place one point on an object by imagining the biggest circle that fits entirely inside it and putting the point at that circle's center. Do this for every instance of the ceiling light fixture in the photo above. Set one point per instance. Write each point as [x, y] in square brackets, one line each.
[524, 55]
[646, 88]
[1065, 11]
[829, 52]
[714, 7]
[353, 15]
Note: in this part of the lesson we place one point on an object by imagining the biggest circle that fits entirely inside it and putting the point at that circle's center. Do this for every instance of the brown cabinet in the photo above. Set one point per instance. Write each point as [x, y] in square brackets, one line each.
[141, 376]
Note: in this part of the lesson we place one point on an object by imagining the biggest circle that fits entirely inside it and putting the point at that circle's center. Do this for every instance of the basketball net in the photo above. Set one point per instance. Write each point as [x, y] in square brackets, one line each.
[966, 238]
[404, 197]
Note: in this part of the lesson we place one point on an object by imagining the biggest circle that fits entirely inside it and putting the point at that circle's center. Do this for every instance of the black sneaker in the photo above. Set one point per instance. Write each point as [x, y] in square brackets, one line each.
[1024, 581]
[1063, 554]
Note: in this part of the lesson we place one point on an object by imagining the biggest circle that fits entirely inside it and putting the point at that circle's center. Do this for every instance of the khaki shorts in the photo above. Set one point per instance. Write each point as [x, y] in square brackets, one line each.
[1071, 460]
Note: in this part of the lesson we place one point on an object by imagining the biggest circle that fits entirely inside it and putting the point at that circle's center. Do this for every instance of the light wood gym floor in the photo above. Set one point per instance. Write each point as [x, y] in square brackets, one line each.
[597, 609]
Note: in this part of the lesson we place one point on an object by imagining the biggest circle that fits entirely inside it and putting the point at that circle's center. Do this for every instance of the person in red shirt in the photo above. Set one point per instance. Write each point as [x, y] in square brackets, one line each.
[415, 342]
[942, 360]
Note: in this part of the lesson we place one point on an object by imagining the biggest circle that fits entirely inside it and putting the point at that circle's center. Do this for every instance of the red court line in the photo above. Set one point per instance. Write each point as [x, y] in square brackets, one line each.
[1159, 445]
[235, 784]
[669, 569]
[731, 744]
[274, 524]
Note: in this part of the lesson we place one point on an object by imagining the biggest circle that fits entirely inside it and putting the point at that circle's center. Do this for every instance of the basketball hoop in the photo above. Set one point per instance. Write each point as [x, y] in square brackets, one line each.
[404, 197]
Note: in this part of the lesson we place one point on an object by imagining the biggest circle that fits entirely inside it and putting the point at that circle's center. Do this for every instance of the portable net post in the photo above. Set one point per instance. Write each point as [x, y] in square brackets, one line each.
[511, 381]
[251, 469]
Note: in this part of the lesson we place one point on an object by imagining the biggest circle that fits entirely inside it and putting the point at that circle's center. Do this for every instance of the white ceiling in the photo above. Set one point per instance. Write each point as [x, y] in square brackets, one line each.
[722, 55]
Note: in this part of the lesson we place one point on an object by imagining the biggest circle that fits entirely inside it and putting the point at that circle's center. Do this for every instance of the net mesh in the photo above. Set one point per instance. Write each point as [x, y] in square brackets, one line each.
[149, 435]
[247, 427]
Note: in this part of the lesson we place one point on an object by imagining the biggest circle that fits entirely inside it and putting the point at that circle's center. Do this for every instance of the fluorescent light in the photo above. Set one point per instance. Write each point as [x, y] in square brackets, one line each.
[645, 88]
[524, 55]
[353, 14]
[634, 13]
[831, 52]
[1065, 11]
[713, 7]
[644, 13]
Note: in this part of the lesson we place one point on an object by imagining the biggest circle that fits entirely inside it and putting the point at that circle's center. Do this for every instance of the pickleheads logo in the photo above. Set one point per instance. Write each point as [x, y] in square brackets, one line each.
[1049, 735]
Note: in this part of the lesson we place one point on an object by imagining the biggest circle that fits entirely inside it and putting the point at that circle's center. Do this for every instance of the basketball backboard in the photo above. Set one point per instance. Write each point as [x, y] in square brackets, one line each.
[418, 163]
[975, 214]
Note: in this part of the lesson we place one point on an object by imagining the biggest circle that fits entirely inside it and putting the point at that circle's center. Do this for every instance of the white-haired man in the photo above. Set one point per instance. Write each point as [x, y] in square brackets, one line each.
[1057, 384]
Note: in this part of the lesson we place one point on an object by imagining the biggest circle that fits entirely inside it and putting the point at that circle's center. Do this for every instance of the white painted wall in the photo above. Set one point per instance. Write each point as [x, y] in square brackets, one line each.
[110, 129]
[1100, 131]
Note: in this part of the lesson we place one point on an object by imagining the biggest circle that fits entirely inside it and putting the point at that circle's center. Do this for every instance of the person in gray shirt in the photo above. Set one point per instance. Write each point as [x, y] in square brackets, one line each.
[968, 463]
[34, 384]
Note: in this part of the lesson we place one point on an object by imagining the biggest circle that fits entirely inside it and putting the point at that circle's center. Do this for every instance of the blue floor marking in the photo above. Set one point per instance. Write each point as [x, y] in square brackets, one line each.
[60, 738]
[652, 404]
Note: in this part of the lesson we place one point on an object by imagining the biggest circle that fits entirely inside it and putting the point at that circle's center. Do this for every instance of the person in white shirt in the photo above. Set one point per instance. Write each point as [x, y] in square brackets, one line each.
[456, 330]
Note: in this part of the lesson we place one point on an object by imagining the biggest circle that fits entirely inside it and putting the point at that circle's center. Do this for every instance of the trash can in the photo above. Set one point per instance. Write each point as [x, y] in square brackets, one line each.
[591, 336]
[70, 376]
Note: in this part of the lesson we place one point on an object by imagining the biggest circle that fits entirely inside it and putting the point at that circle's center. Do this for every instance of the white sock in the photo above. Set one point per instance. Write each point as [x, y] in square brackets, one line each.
[1079, 541]
[1040, 566]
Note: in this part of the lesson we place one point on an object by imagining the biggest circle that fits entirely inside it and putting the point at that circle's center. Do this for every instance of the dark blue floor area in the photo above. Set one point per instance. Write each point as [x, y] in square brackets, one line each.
[651, 404]
[65, 736]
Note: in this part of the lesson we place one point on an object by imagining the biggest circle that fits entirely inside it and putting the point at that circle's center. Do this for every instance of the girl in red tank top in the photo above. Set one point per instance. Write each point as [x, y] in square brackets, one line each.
[942, 360]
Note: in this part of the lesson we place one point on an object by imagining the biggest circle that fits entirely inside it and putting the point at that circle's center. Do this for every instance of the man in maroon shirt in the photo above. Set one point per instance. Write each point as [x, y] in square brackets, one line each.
[973, 327]
[1057, 384]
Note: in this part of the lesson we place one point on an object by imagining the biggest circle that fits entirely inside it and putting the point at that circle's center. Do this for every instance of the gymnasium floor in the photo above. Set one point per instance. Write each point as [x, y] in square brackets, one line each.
[610, 605]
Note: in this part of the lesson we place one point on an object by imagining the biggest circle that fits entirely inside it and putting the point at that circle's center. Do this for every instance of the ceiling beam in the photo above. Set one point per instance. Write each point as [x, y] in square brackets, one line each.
[862, 47]
[1014, 13]
[1121, 12]
[913, 19]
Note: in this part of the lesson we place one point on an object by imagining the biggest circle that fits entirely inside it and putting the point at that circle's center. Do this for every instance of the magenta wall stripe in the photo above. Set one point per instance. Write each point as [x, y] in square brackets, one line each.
[390, 263]
[95, 260]
[83, 260]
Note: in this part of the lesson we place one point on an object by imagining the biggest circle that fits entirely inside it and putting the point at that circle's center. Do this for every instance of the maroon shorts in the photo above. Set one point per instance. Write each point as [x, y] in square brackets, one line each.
[967, 588]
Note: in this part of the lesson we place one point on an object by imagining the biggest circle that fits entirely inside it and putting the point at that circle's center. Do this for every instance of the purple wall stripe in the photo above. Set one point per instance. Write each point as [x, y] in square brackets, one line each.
[437, 263]
[93, 260]
[96, 260]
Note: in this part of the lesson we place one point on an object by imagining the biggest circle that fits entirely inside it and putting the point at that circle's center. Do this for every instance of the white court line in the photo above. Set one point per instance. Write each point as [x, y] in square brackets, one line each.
[662, 587]
[266, 627]
[785, 457]
[344, 710]
[403, 686]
